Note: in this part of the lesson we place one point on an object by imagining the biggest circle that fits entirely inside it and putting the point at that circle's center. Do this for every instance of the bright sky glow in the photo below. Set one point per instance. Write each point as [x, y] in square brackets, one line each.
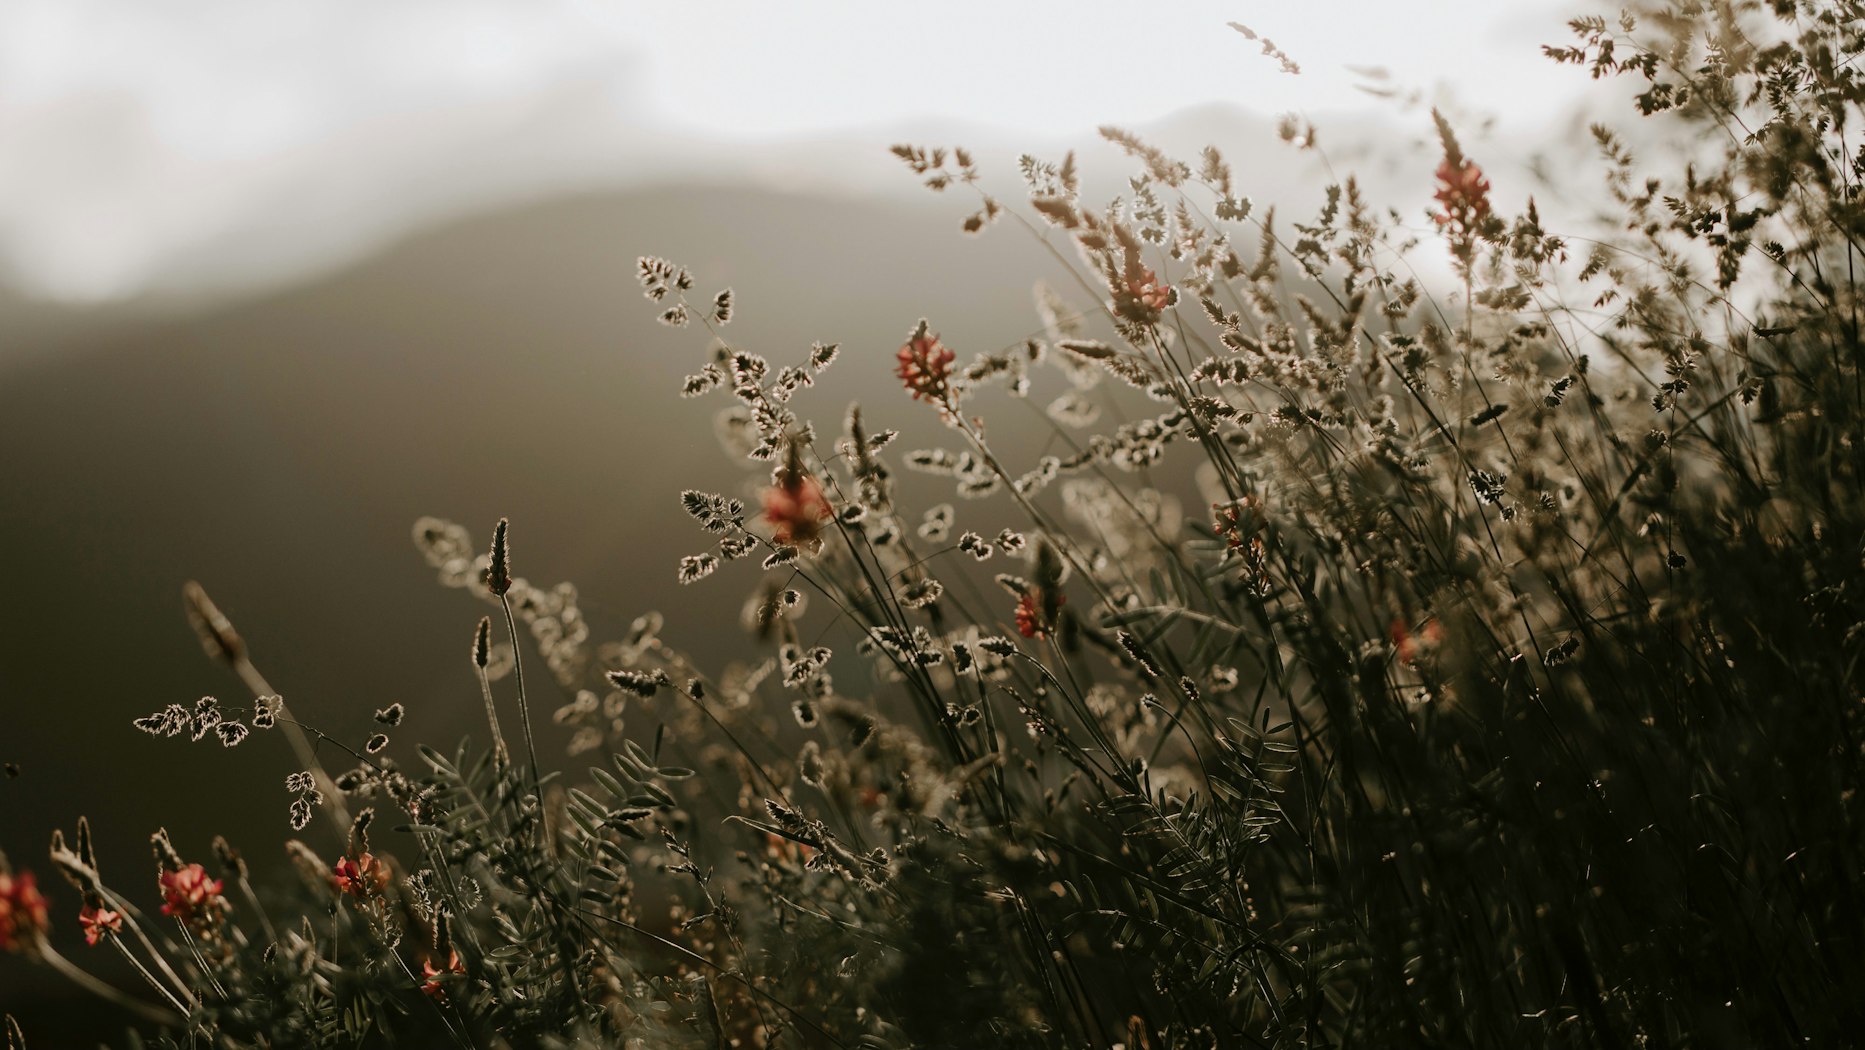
[777, 69]
[134, 133]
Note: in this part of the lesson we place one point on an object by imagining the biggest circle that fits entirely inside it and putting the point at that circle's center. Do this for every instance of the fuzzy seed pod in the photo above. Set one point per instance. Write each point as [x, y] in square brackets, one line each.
[230, 860]
[165, 851]
[359, 832]
[499, 575]
[482, 643]
[87, 854]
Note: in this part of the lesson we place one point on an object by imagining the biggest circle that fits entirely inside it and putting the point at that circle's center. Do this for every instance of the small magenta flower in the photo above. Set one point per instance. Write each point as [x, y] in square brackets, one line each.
[99, 922]
[189, 895]
[925, 367]
[23, 912]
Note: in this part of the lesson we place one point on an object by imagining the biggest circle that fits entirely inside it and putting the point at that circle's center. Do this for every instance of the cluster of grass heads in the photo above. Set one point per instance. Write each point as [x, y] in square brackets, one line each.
[1501, 686]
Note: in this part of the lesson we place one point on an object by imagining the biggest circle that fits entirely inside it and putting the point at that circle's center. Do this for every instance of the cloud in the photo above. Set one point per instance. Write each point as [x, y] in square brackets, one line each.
[148, 145]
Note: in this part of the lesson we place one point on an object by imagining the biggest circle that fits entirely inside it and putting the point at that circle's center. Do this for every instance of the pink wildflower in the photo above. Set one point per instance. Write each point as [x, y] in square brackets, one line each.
[795, 508]
[360, 877]
[437, 978]
[99, 922]
[925, 367]
[23, 913]
[189, 895]
[1035, 615]
[1409, 645]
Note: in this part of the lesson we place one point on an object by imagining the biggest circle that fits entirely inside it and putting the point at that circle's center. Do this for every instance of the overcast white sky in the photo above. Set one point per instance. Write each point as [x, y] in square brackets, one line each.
[135, 133]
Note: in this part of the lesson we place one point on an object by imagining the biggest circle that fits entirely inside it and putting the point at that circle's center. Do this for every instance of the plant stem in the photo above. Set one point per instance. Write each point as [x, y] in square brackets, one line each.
[111, 994]
[524, 708]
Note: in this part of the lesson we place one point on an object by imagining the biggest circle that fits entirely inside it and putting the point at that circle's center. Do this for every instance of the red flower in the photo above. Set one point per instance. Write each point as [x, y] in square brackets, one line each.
[1149, 293]
[361, 876]
[1409, 645]
[1463, 192]
[1237, 521]
[925, 367]
[436, 983]
[778, 848]
[1140, 297]
[98, 922]
[795, 509]
[188, 894]
[1035, 614]
[23, 913]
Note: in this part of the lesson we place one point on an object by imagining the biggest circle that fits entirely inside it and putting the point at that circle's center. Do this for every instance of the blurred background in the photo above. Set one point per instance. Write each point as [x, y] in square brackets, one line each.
[277, 279]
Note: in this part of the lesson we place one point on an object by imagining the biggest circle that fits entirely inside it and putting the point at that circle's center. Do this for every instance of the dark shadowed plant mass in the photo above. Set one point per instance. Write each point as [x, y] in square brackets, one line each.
[1357, 658]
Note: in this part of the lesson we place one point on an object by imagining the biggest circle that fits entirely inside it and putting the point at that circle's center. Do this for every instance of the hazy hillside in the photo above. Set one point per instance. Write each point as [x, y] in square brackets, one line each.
[278, 450]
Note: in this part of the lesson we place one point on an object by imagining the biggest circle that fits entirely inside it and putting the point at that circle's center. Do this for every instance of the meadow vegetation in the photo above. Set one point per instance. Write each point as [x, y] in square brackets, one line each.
[1359, 662]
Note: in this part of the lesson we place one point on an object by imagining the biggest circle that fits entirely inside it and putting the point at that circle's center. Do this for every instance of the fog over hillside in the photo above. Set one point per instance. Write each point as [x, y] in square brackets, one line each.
[205, 144]
[300, 228]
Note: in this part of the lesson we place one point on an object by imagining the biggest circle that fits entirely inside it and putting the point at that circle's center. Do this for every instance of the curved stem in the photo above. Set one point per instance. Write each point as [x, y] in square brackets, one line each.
[500, 755]
[524, 707]
[113, 995]
[130, 917]
[300, 746]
